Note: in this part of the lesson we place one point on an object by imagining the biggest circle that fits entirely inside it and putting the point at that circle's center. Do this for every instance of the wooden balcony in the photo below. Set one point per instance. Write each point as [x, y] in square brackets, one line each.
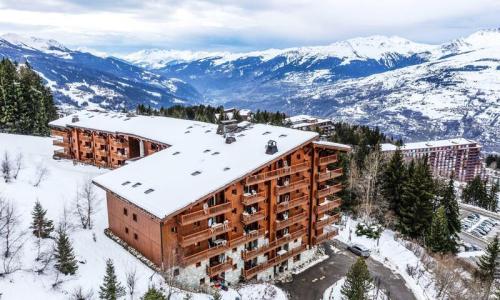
[249, 254]
[61, 154]
[101, 163]
[102, 152]
[119, 155]
[61, 143]
[252, 235]
[119, 144]
[186, 240]
[101, 140]
[204, 254]
[86, 149]
[329, 190]
[297, 201]
[329, 174]
[326, 220]
[328, 205]
[277, 173]
[248, 274]
[283, 189]
[250, 218]
[204, 214]
[217, 269]
[249, 199]
[324, 236]
[85, 138]
[280, 224]
[327, 159]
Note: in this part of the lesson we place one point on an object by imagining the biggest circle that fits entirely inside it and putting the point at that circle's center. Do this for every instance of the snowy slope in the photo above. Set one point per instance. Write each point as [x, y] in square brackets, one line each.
[81, 79]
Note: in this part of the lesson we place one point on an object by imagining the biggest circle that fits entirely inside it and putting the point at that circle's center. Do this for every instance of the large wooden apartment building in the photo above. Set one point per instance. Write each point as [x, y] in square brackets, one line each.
[216, 203]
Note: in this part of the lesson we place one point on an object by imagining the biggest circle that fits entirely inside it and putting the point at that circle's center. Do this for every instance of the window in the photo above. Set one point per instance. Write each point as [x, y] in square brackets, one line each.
[196, 173]
[234, 191]
[202, 281]
[136, 184]
[148, 191]
[295, 241]
[134, 217]
[197, 223]
[296, 258]
[176, 272]
[125, 211]
[174, 229]
[235, 266]
[234, 250]
[126, 230]
[234, 211]
[136, 237]
[198, 264]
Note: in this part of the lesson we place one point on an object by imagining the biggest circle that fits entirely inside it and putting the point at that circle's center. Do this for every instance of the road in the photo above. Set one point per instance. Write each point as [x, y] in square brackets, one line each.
[312, 283]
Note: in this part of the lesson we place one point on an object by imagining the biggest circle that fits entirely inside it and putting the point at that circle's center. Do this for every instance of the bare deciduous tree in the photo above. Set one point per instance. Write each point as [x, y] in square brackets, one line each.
[85, 204]
[12, 238]
[18, 165]
[132, 279]
[6, 167]
[44, 258]
[80, 294]
[41, 174]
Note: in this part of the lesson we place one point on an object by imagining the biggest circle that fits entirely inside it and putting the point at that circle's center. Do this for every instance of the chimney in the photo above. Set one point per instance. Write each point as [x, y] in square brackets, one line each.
[271, 147]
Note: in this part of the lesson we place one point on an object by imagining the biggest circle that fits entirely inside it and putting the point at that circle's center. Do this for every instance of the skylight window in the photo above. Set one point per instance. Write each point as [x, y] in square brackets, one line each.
[207, 150]
[176, 153]
[207, 131]
[187, 132]
[241, 134]
[137, 184]
[149, 191]
[126, 182]
[282, 135]
[216, 153]
[266, 133]
[227, 168]
[190, 127]
[195, 173]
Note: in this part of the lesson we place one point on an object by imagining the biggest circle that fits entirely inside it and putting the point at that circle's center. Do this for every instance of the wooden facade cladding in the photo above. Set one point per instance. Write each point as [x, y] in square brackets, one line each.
[283, 189]
[280, 224]
[186, 240]
[219, 268]
[249, 198]
[324, 236]
[284, 171]
[328, 205]
[248, 274]
[205, 213]
[249, 254]
[329, 190]
[327, 160]
[329, 174]
[294, 202]
[327, 220]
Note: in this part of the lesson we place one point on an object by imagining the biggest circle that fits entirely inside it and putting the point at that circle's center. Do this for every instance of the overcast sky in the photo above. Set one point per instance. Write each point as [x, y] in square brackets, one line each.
[121, 26]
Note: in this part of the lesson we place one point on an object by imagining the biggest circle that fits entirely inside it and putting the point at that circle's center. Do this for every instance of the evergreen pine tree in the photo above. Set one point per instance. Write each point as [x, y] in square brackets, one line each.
[492, 197]
[41, 226]
[417, 200]
[358, 282]
[475, 193]
[450, 204]
[439, 238]
[153, 294]
[65, 259]
[111, 289]
[394, 177]
[488, 264]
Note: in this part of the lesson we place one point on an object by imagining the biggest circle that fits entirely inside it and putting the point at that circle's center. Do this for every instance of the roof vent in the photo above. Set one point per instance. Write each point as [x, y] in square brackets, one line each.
[271, 147]
[130, 114]
[136, 184]
[176, 153]
[207, 150]
[148, 191]
[227, 168]
[216, 153]
[266, 133]
[126, 182]
[282, 135]
[196, 173]
[75, 119]
[230, 139]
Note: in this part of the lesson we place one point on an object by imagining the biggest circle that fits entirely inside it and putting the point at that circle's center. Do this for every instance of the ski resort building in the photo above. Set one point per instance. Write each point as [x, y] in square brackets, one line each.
[458, 156]
[210, 203]
[310, 123]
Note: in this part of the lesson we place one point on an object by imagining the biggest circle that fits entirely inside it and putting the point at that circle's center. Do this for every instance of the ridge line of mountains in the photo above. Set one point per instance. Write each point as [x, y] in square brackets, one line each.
[410, 90]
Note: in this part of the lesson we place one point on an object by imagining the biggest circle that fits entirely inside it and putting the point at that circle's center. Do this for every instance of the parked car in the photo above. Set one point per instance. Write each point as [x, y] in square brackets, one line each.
[359, 250]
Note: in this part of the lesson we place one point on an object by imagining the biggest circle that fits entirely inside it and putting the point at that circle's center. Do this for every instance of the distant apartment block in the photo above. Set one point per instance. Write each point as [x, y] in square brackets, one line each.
[212, 204]
[458, 156]
[310, 123]
[493, 175]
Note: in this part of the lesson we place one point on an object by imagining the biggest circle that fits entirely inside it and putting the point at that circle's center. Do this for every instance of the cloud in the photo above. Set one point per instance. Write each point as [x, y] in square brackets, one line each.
[126, 25]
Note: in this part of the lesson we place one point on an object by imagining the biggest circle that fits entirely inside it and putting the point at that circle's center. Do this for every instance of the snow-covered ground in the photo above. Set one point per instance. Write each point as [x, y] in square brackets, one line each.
[57, 193]
[393, 254]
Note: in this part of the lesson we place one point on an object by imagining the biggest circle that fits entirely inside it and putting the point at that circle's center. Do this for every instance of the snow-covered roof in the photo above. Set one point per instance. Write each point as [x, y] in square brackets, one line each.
[429, 144]
[342, 147]
[305, 120]
[198, 163]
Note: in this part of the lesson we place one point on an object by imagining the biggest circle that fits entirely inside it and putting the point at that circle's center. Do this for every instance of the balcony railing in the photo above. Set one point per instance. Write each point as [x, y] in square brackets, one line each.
[249, 254]
[328, 205]
[250, 218]
[283, 189]
[85, 138]
[249, 199]
[252, 235]
[272, 262]
[324, 236]
[327, 219]
[119, 144]
[60, 142]
[217, 269]
[297, 201]
[329, 175]
[329, 190]
[61, 154]
[277, 173]
[327, 159]
[186, 240]
[101, 140]
[280, 224]
[204, 214]
[205, 254]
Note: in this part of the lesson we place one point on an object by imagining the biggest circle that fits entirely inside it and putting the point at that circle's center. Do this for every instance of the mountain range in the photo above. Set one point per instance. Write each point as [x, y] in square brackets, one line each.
[410, 90]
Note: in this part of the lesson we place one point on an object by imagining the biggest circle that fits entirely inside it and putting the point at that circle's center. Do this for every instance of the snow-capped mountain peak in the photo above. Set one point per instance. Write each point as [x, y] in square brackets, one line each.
[34, 43]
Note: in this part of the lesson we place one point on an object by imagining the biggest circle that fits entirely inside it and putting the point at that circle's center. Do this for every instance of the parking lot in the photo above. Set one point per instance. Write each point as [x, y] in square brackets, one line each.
[479, 229]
